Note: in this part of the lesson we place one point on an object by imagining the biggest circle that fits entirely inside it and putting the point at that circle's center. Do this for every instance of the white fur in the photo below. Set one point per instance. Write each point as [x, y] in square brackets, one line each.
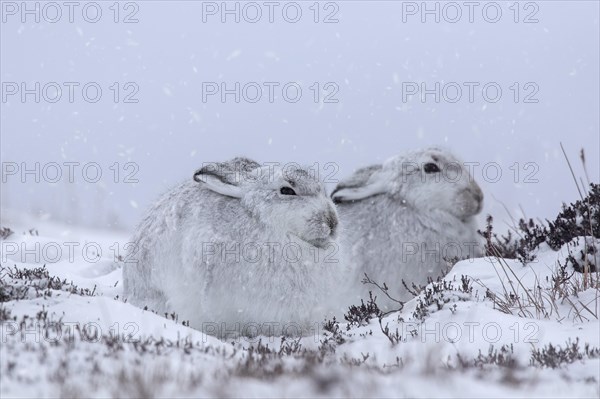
[212, 251]
[399, 223]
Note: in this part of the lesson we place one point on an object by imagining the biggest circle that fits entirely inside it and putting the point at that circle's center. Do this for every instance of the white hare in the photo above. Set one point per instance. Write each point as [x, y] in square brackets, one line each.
[238, 250]
[401, 220]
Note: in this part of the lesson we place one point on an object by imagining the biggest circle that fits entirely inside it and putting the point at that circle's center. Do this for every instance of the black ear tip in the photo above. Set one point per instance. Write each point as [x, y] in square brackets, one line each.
[336, 199]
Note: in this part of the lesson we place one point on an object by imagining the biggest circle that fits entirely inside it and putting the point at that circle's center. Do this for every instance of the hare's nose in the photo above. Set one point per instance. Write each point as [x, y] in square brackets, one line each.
[477, 193]
[332, 222]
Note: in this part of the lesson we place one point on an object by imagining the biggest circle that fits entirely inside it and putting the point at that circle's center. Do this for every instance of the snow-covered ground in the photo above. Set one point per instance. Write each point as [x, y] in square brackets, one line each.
[484, 332]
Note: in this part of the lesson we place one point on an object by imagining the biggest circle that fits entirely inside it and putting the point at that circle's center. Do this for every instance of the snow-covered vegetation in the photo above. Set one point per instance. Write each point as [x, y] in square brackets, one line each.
[525, 318]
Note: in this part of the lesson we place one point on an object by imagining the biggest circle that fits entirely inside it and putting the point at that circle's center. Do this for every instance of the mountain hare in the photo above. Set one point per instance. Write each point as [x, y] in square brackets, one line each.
[240, 249]
[402, 219]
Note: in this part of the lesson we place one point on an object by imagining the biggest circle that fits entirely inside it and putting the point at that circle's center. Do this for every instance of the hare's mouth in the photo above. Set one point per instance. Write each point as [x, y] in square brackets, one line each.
[320, 243]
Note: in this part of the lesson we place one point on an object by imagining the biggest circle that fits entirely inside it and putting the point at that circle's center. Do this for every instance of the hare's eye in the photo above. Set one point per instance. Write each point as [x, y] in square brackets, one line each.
[287, 191]
[431, 168]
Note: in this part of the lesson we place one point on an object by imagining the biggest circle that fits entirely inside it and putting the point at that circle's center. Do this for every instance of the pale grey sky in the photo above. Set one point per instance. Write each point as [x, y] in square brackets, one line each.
[365, 61]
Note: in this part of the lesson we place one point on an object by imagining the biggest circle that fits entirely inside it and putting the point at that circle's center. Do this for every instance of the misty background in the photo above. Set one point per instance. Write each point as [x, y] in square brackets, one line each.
[164, 125]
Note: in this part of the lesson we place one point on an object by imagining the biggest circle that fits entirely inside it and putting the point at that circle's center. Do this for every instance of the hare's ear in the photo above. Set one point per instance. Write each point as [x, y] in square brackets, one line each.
[364, 183]
[351, 194]
[215, 180]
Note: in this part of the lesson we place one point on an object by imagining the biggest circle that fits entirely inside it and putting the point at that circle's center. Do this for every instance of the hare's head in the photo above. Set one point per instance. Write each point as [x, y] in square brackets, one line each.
[427, 180]
[288, 200]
